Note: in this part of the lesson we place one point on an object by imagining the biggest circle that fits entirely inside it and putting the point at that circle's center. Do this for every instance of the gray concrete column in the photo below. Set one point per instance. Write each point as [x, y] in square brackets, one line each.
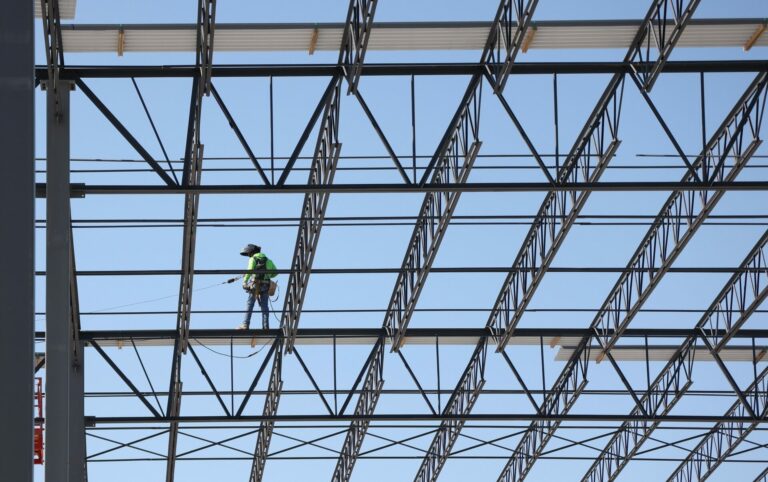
[17, 242]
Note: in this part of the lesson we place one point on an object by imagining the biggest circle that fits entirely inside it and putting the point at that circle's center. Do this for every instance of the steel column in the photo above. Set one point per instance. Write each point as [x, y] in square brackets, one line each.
[17, 236]
[63, 437]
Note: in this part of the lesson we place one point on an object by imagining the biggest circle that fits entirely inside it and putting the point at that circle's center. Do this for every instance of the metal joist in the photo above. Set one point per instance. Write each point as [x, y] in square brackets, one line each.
[357, 31]
[206, 20]
[665, 391]
[682, 215]
[461, 402]
[54, 47]
[745, 292]
[270, 410]
[742, 294]
[598, 140]
[724, 437]
[451, 165]
[654, 256]
[191, 177]
[506, 39]
[559, 400]
[324, 162]
[323, 169]
[587, 160]
[763, 477]
[650, 51]
[366, 404]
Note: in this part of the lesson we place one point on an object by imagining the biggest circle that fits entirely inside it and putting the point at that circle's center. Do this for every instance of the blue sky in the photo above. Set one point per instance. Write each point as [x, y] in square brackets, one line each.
[676, 95]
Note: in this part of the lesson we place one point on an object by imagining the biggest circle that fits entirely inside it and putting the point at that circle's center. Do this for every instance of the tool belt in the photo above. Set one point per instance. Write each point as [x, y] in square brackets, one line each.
[255, 286]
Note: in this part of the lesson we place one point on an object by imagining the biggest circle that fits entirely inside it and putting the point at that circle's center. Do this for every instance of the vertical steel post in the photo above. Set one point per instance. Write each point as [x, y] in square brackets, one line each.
[62, 439]
[77, 463]
[17, 237]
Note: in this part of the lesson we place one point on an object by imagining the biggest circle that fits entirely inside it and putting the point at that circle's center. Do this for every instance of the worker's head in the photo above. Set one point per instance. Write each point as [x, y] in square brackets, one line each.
[250, 249]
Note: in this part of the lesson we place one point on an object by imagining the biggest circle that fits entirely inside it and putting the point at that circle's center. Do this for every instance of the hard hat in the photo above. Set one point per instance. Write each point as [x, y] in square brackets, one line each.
[250, 249]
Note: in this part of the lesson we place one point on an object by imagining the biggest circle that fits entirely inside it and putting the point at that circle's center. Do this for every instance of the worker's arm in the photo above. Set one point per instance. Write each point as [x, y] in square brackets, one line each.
[271, 269]
[251, 266]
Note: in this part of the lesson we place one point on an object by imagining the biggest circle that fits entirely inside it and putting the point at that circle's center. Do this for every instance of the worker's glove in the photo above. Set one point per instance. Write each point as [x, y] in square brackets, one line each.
[246, 288]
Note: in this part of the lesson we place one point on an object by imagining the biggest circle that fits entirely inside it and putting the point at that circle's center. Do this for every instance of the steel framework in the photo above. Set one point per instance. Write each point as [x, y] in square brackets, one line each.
[511, 421]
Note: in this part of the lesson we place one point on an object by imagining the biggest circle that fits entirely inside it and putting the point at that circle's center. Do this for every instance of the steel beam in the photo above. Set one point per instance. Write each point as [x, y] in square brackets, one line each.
[736, 302]
[656, 253]
[508, 30]
[369, 336]
[422, 416]
[650, 52]
[17, 167]
[83, 190]
[397, 69]
[357, 31]
[724, 437]
[324, 162]
[239, 134]
[193, 164]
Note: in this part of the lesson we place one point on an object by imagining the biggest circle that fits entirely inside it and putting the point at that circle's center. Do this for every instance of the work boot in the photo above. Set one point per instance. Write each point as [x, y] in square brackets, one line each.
[242, 326]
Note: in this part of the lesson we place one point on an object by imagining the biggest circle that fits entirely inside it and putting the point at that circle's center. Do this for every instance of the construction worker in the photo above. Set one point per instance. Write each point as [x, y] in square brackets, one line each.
[256, 283]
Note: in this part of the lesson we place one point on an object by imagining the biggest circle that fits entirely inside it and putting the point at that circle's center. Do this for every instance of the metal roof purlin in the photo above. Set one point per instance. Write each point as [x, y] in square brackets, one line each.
[399, 36]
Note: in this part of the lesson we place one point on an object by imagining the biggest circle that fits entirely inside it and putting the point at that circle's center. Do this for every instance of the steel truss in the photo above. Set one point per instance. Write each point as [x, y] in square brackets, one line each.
[191, 176]
[656, 253]
[322, 170]
[451, 165]
[738, 300]
[443, 179]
